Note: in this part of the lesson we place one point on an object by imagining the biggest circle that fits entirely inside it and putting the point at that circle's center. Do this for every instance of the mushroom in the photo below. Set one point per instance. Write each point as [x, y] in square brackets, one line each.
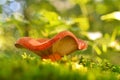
[62, 44]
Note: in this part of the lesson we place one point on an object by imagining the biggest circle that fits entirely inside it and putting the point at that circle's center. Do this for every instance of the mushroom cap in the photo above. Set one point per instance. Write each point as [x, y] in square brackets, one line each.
[62, 44]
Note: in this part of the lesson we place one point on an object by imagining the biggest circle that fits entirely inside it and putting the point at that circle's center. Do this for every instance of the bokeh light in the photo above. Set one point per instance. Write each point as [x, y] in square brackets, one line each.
[2, 2]
[15, 6]
[94, 35]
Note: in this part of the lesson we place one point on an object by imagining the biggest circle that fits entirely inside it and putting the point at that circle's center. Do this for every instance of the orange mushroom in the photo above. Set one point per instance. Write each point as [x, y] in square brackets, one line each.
[62, 44]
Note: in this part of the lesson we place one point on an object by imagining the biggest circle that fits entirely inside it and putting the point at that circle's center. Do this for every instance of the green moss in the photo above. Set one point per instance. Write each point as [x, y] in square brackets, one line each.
[14, 68]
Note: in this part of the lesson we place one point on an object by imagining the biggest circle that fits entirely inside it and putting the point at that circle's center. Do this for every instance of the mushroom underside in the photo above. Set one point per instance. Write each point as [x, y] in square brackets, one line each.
[62, 47]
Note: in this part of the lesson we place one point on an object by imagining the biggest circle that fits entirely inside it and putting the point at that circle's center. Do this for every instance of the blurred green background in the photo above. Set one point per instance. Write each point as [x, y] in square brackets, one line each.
[95, 21]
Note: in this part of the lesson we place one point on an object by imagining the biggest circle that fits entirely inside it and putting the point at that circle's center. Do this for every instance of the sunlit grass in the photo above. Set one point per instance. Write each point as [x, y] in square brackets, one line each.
[23, 67]
[113, 15]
